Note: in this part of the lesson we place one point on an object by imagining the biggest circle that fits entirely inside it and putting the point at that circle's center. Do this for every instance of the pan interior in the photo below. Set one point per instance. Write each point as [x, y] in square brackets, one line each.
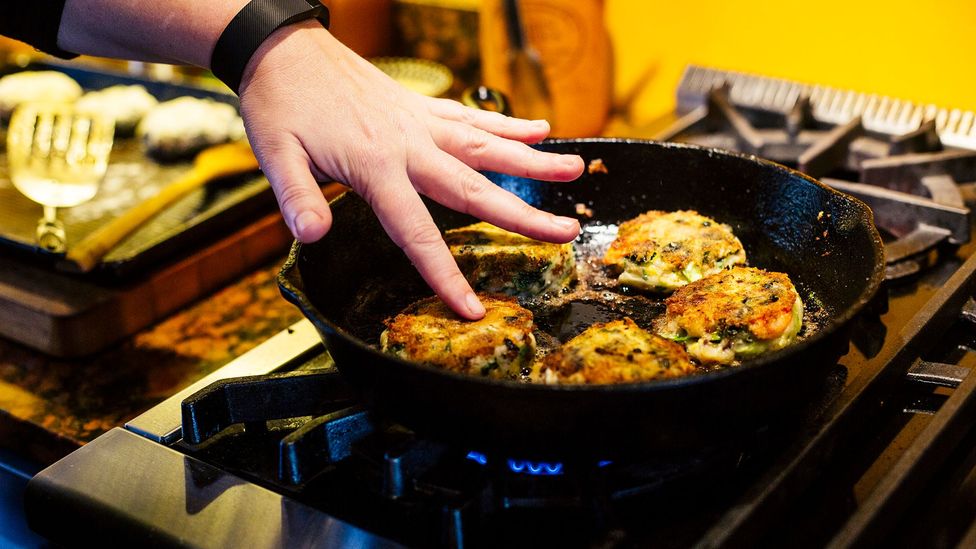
[356, 276]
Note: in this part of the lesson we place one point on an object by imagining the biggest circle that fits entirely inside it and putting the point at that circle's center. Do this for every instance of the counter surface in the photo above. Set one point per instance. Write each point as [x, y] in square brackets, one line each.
[49, 407]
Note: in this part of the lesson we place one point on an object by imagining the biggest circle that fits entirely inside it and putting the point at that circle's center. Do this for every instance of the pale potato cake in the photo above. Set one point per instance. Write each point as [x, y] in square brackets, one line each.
[499, 345]
[662, 251]
[734, 315]
[498, 261]
[36, 86]
[615, 352]
[124, 104]
[181, 127]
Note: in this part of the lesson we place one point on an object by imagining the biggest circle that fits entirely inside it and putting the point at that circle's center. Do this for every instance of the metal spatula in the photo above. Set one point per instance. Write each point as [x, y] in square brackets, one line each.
[57, 158]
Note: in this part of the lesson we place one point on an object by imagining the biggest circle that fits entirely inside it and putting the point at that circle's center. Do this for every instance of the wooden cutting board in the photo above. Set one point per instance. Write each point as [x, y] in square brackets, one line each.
[66, 316]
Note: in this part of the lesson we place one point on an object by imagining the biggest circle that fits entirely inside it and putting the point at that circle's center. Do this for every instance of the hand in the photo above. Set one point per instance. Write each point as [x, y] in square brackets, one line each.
[314, 110]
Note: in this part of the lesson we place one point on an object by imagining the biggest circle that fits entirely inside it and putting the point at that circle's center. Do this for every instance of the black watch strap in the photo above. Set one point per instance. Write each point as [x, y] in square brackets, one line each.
[249, 29]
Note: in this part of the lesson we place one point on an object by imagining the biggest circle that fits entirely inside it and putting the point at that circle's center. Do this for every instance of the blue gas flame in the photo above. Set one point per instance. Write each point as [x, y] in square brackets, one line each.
[521, 466]
[538, 468]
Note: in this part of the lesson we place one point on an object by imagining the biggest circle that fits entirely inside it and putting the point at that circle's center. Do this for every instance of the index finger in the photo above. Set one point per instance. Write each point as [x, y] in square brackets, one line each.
[406, 219]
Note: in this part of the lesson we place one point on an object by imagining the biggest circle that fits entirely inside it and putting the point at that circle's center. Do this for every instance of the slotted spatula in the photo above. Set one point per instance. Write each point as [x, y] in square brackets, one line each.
[57, 158]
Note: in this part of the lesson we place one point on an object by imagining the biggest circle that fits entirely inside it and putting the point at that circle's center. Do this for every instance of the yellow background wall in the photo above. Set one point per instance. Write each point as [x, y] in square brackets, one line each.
[922, 51]
[919, 50]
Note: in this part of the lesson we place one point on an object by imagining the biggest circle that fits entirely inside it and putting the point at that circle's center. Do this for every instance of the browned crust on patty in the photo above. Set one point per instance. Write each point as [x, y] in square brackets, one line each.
[494, 260]
[499, 344]
[674, 238]
[615, 352]
[740, 298]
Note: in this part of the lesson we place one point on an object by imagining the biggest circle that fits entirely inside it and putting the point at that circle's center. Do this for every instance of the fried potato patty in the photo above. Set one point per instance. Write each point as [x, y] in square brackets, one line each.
[615, 352]
[733, 315]
[498, 261]
[662, 251]
[499, 345]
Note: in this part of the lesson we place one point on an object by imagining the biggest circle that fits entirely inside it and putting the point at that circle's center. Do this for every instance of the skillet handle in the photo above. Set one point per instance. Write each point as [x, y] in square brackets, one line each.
[486, 99]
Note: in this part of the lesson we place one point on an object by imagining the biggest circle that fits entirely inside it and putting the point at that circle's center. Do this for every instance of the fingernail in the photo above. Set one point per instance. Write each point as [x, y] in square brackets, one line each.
[474, 306]
[541, 123]
[565, 222]
[571, 160]
[305, 221]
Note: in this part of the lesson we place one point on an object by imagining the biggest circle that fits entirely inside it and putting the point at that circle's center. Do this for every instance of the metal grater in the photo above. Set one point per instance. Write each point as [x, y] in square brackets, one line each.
[879, 113]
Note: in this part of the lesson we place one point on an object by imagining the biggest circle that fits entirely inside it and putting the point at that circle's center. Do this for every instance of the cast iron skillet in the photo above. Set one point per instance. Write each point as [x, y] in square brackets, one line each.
[826, 241]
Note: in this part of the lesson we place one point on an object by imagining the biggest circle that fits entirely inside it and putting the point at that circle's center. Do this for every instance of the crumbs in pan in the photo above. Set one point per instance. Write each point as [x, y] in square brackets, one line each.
[596, 166]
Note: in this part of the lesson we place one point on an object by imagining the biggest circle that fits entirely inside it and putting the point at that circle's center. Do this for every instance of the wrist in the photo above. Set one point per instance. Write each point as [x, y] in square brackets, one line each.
[285, 48]
[253, 27]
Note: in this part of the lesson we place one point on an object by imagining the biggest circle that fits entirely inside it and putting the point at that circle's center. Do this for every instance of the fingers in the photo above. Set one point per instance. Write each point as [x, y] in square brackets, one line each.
[407, 221]
[483, 151]
[449, 181]
[304, 208]
[527, 131]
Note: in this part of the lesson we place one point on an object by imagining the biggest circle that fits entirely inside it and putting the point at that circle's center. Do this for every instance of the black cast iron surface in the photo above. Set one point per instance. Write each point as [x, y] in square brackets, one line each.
[787, 222]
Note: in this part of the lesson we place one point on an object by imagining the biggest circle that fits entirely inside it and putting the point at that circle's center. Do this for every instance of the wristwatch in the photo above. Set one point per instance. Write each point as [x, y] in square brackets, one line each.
[251, 27]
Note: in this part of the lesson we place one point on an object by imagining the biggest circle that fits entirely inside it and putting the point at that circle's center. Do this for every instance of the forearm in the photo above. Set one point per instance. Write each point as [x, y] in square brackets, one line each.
[175, 31]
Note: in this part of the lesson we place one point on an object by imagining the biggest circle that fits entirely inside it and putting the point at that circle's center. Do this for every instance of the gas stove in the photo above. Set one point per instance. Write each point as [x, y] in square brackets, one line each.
[274, 449]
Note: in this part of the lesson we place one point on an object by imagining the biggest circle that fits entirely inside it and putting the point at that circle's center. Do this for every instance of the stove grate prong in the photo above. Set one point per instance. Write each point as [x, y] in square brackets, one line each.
[323, 441]
[969, 311]
[924, 139]
[723, 114]
[687, 122]
[906, 169]
[937, 373]
[254, 399]
[402, 464]
[830, 151]
[900, 213]
[943, 189]
[922, 239]
[799, 117]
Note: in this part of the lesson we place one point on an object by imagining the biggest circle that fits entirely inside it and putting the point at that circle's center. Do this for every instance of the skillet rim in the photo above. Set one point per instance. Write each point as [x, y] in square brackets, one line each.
[873, 284]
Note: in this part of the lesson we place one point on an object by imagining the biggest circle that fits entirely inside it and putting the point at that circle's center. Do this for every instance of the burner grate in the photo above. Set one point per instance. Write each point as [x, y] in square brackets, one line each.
[881, 114]
[889, 153]
[268, 428]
